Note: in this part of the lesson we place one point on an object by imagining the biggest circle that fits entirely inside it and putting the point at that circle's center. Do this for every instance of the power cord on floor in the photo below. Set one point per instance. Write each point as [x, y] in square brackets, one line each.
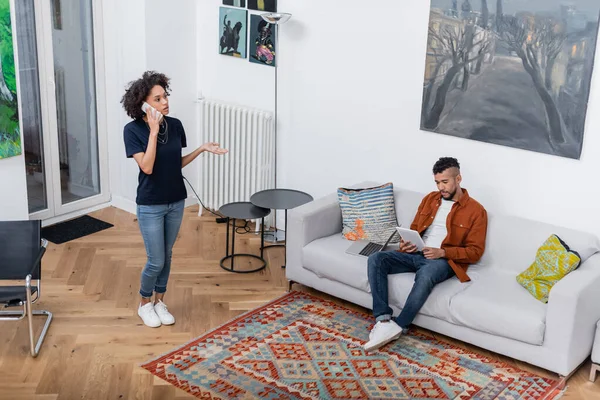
[220, 219]
[203, 206]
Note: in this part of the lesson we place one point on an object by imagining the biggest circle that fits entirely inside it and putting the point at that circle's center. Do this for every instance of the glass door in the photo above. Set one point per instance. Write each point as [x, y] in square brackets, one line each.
[66, 172]
[31, 112]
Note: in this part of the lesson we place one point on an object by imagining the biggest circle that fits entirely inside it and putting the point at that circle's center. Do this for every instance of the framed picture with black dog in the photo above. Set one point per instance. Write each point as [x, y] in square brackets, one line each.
[232, 31]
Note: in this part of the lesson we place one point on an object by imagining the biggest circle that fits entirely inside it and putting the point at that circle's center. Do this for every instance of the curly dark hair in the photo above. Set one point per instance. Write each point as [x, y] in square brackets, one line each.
[444, 163]
[137, 91]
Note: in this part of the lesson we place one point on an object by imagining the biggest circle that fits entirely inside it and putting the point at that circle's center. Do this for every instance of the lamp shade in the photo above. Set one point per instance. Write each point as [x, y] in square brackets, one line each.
[276, 18]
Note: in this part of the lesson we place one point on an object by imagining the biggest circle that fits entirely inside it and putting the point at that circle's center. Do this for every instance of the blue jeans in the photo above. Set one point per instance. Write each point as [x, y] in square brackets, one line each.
[428, 274]
[159, 225]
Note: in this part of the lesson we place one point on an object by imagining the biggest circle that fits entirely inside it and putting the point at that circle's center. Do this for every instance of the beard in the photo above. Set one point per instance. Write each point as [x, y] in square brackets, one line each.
[449, 195]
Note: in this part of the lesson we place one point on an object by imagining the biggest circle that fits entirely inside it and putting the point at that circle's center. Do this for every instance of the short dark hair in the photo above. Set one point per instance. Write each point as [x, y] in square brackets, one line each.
[444, 163]
[137, 91]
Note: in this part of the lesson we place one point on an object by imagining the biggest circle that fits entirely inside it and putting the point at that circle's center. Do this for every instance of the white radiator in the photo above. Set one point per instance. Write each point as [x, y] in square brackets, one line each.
[248, 134]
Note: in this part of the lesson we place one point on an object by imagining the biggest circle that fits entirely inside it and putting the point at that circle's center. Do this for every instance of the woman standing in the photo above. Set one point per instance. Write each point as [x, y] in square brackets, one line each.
[155, 141]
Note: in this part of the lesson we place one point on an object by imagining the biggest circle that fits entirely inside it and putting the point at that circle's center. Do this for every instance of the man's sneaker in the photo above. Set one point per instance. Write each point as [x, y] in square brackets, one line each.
[165, 316]
[381, 334]
[148, 315]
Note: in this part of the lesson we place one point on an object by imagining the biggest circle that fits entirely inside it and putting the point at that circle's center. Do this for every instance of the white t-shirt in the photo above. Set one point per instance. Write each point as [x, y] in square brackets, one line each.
[436, 233]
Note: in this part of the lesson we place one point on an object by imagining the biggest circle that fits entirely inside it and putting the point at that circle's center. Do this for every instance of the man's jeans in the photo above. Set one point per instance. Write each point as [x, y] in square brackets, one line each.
[159, 225]
[428, 274]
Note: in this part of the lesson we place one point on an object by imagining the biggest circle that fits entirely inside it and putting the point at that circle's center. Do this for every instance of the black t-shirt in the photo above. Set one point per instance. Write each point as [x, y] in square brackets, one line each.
[165, 184]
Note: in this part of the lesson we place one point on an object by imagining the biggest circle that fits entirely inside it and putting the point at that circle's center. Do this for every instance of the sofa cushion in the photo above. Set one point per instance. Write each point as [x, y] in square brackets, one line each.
[438, 302]
[369, 213]
[327, 258]
[554, 260]
[495, 303]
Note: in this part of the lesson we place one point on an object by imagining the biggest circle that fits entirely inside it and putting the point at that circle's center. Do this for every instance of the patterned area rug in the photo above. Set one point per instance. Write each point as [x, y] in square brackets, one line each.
[303, 347]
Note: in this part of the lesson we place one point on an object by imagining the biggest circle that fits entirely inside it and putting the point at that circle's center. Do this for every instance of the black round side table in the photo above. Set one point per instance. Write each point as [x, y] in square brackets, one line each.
[243, 210]
[280, 199]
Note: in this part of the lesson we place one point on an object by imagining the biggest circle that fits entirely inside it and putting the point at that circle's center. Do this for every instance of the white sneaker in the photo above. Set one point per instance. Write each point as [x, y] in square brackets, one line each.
[165, 316]
[381, 334]
[148, 315]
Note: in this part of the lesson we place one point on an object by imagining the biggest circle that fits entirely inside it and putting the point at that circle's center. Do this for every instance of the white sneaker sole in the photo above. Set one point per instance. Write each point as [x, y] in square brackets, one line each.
[381, 343]
[150, 326]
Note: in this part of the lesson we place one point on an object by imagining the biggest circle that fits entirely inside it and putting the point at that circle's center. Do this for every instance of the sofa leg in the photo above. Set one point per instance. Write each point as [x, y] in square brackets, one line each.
[563, 379]
[595, 368]
[290, 284]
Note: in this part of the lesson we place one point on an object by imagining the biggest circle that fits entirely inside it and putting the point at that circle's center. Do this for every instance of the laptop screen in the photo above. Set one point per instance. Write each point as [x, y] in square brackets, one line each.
[390, 238]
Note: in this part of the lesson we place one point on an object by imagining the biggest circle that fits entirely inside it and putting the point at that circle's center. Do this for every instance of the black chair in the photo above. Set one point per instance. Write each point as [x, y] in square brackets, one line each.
[21, 252]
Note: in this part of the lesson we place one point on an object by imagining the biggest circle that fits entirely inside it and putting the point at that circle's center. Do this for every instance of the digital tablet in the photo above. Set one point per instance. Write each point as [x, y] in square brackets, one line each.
[408, 235]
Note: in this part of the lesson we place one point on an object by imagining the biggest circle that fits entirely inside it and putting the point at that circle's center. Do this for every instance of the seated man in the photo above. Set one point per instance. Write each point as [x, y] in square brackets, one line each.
[453, 226]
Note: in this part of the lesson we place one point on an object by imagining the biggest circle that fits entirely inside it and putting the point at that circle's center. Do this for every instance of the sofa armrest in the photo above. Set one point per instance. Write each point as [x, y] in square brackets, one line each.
[314, 220]
[311, 221]
[573, 311]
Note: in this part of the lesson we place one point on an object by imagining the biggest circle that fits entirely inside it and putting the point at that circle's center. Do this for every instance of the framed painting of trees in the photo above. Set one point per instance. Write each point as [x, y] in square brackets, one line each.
[515, 73]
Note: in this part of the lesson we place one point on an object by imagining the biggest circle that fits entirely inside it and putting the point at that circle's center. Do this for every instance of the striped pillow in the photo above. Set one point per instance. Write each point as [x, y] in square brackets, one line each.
[368, 214]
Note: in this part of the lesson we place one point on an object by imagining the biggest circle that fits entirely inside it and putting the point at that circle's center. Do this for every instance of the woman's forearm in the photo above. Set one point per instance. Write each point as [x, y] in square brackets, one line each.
[188, 158]
[147, 162]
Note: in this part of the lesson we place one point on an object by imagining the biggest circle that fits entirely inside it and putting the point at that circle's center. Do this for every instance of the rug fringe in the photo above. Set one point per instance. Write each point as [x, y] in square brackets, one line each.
[275, 300]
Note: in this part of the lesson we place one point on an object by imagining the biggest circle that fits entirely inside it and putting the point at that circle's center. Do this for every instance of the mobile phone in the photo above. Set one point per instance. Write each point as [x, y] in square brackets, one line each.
[147, 107]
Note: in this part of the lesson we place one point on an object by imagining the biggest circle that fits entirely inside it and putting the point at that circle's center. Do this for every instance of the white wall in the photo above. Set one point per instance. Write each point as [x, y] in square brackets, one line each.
[147, 35]
[13, 196]
[350, 80]
[173, 52]
[125, 60]
[228, 78]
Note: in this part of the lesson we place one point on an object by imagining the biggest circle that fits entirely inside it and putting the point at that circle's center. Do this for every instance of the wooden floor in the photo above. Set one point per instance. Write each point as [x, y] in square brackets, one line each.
[97, 342]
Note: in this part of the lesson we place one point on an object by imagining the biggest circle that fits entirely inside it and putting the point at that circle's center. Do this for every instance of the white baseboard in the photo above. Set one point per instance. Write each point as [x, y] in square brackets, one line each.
[124, 204]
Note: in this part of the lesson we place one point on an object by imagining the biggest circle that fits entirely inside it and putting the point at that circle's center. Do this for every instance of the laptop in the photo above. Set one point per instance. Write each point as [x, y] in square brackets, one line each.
[365, 248]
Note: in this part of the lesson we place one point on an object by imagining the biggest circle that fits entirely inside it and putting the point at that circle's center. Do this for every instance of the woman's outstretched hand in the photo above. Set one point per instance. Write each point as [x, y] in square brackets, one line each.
[214, 148]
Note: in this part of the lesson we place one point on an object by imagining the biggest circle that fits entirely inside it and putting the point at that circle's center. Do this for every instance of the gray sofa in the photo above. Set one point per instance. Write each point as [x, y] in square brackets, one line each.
[491, 311]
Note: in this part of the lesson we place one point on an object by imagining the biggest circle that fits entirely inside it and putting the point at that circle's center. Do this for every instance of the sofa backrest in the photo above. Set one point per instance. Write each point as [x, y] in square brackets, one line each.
[406, 202]
[512, 242]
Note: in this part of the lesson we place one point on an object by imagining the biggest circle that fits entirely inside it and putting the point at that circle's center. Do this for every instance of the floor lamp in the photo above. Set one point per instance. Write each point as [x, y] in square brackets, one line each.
[276, 19]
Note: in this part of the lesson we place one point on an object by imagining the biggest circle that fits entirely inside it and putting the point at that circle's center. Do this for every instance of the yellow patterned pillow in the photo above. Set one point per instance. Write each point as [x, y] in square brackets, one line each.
[553, 261]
